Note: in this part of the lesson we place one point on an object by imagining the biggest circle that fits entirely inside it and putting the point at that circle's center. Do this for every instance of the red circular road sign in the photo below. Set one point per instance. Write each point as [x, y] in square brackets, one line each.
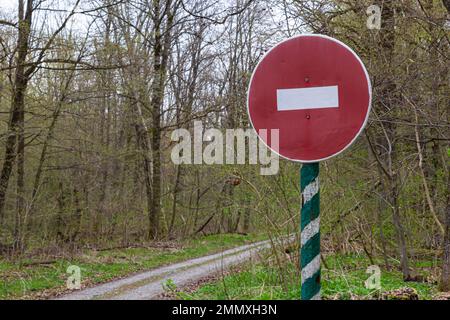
[316, 91]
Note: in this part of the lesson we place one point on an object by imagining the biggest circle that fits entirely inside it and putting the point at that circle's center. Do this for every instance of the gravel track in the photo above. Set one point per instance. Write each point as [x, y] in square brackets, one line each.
[149, 285]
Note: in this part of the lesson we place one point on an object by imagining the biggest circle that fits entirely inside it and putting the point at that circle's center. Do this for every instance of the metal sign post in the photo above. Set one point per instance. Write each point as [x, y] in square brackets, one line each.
[310, 231]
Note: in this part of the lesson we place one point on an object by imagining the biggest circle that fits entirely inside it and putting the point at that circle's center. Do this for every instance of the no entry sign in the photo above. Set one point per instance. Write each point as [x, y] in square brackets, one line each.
[316, 91]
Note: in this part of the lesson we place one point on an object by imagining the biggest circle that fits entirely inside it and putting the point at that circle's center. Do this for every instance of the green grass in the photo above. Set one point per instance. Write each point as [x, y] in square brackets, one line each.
[258, 283]
[343, 280]
[19, 281]
[347, 274]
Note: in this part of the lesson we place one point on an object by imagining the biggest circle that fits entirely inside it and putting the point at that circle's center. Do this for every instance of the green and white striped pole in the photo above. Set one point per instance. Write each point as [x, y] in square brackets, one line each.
[310, 232]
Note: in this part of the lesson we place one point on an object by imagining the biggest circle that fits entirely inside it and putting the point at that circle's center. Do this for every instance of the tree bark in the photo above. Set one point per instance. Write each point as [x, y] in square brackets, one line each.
[161, 53]
[175, 198]
[445, 276]
[18, 100]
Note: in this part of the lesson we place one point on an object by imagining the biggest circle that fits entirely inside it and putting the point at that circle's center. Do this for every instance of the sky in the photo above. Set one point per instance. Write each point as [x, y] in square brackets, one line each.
[7, 5]
[8, 11]
[10, 6]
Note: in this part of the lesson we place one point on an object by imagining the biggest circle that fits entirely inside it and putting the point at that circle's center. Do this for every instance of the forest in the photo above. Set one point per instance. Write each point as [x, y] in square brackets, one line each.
[92, 91]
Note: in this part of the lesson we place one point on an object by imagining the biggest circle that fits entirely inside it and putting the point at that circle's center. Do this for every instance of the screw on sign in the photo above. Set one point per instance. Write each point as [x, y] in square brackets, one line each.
[316, 91]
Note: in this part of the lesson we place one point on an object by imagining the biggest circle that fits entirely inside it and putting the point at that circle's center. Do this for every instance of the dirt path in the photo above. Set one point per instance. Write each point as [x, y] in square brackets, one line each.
[149, 284]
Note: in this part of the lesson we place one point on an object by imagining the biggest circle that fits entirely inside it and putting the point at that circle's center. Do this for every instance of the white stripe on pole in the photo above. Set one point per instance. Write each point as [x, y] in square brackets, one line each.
[310, 230]
[316, 297]
[311, 268]
[310, 190]
[307, 98]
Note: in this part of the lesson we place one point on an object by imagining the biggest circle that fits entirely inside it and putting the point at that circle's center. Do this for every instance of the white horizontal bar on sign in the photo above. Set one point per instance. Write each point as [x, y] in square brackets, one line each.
[307, 98]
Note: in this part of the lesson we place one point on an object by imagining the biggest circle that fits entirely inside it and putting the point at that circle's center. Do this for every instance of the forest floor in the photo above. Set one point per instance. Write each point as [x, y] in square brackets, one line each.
[343, 278]
[45, 276]
[123, 273]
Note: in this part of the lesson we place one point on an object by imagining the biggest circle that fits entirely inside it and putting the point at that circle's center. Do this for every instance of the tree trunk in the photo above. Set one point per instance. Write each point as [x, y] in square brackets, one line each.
[20, 204]
[400, 232]
[18, 101]
[160, 60]
[390, 98]
[445, 276]
[142, 140]
[247, 215]
[59, 218]
[175, 198]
